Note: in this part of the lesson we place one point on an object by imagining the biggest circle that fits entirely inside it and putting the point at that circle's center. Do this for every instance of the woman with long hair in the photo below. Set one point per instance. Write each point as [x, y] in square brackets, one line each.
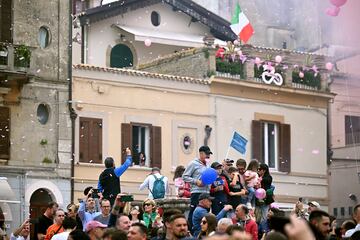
[182, 188]
[208, 226]
[264, 204]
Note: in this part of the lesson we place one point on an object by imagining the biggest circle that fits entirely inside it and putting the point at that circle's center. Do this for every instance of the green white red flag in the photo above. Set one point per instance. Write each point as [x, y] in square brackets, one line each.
[240, 25]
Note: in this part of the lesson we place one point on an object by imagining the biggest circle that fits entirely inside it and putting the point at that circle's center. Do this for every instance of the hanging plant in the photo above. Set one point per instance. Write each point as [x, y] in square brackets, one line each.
[22, 56]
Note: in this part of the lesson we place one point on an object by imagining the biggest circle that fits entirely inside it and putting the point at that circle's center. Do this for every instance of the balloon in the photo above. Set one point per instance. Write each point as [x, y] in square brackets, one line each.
[338, 3]
[257, 61]
[147, 42]
[208, 176]
[301, 74]
[260, 193]
[278, 59]
[274, 205]
[329, 66]
[236, 42]
[333, 11]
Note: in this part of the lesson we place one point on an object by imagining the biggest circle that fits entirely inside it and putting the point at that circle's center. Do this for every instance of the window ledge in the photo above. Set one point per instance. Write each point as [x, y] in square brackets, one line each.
[138, 168]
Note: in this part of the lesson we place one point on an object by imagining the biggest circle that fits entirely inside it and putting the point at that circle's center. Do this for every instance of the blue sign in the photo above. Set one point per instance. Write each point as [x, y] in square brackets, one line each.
[238, 142]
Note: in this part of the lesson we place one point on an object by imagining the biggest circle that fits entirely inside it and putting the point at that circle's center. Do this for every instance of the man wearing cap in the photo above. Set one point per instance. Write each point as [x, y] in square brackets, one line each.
[95, 229]
[205, 201]
[192, 175]
[313, 205]
[150, 180]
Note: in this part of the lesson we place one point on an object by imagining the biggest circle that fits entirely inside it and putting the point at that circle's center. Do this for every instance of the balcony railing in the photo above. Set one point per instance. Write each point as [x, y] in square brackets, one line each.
[352, 138]
[14, 57]
[297, 70]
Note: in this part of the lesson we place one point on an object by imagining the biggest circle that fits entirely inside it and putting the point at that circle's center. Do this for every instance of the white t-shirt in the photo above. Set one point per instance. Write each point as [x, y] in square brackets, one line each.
[61, 236]
[149, 183]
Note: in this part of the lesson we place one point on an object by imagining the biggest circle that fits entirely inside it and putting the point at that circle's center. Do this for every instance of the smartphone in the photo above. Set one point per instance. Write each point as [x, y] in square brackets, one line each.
[95, 193]
[278, 223]
[127, 198]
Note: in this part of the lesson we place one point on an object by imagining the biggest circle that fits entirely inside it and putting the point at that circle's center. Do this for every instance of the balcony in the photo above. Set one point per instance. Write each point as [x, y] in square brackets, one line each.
[265, 66]
[15, 61]
[14, 58]
[352, 138]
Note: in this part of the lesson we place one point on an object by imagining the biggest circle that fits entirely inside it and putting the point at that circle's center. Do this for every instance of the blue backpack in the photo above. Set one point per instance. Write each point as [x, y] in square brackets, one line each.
[158, 190]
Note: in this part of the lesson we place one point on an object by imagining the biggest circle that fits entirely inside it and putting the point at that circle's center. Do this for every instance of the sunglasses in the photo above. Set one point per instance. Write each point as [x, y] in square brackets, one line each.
[203, 222]
[147, 204]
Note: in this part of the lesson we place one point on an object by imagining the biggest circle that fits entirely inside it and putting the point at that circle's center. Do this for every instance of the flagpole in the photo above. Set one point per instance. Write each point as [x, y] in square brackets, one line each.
[227, 153]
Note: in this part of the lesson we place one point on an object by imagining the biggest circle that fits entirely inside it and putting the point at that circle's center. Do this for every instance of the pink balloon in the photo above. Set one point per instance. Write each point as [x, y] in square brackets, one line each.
[278, 59]
[301, 74]
[260, 193]
[257, 61]
[236, 42]
[329, 66]
[147, 42]
[334, 11]
[338, 3]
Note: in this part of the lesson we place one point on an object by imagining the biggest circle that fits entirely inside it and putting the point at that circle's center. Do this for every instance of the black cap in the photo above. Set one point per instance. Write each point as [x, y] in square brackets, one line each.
[205, 196]
[205, 149]
[228, 160]
[216, 165]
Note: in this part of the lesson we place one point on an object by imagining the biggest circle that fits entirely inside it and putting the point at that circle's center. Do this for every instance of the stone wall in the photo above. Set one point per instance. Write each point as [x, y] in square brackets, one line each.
[194, 63]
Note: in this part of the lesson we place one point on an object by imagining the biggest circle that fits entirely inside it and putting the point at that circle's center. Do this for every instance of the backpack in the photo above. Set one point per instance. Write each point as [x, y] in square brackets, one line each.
[158, 190]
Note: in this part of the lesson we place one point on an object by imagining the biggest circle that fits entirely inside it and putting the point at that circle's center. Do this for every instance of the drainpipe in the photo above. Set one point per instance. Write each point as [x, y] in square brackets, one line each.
[72, 112]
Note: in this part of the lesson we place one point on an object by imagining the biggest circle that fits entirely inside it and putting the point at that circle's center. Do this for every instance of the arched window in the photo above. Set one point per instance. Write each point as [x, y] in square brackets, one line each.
[121, 56]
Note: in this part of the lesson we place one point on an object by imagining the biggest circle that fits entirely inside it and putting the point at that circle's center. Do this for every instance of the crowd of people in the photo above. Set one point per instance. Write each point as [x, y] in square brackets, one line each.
[231, 207]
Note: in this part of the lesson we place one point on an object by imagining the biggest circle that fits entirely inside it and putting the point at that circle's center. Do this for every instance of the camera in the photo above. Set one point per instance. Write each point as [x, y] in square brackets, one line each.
[126, 198]
[95, 193]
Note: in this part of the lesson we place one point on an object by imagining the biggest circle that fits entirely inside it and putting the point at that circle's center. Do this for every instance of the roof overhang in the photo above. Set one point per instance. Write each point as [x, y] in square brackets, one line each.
[163, 37]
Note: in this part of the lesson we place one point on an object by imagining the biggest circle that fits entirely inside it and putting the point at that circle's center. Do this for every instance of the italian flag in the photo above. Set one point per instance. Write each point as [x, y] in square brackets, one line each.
[240, 25]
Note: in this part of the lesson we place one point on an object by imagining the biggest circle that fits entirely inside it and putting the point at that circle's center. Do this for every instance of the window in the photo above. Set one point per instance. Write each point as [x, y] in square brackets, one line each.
[44, 37]
[43, 112]
[90, 140]
[121, 56]
[342, 211]
[271, 144]
[335, 212]
[155, 18]
[6, 21]
[4, 133]
[352, 130]
[350, 211]
[142, 138]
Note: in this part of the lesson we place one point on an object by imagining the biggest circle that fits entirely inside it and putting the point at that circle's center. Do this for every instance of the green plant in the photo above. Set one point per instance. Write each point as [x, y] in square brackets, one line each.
[22, 56]
[47, 160]
[234, 68]
[206, 53]
[43, 142]
[210, 73]
[309, 78]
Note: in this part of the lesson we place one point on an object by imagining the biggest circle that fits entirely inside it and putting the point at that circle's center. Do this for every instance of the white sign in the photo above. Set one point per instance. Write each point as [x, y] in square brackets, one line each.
[269, 76]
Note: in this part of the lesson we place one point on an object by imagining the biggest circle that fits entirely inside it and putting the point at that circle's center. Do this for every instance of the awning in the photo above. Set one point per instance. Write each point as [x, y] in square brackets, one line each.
[6, 193]
[163, 37]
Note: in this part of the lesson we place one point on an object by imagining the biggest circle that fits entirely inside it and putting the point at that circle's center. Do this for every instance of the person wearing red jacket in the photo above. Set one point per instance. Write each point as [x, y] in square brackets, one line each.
[243, 219]
[219, 189]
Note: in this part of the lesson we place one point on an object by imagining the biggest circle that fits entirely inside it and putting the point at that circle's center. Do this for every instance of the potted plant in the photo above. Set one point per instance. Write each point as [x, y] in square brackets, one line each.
[22, 56]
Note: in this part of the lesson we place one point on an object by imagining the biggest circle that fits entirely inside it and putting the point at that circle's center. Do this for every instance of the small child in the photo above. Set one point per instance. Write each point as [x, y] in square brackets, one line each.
[252, 181]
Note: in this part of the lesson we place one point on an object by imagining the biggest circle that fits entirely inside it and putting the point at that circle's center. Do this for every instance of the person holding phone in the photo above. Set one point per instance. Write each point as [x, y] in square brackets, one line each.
[109, 179]
[88, 209]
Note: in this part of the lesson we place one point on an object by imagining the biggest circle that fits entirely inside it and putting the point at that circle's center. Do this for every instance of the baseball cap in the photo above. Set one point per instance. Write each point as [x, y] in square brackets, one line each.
[205, 149]
[228, 160]
[94, 224]
[314, 203]
[205, 196]
[216, 165]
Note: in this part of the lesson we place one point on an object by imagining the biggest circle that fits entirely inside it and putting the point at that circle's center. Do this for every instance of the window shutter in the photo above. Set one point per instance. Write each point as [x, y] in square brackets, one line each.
[257, 140]
[4, 133]
[90, 142]
[126, 133]
[285, 148]
[155, 151]
[6, 20]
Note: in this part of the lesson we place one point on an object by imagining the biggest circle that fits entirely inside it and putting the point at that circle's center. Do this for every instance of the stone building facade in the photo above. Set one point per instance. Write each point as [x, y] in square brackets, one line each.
[35, 149]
